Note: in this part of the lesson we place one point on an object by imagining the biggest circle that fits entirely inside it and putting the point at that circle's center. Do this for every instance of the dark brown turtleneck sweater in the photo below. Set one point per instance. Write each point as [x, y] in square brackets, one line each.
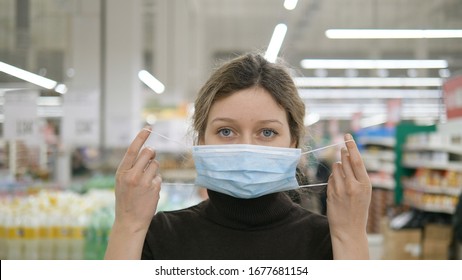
[224, 227]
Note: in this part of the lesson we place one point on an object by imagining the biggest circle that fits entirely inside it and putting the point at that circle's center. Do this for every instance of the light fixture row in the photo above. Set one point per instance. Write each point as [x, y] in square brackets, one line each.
[41, 81]
[393, 33]
[361, 82]
[32, 78]
[372, 64]
[358, 82]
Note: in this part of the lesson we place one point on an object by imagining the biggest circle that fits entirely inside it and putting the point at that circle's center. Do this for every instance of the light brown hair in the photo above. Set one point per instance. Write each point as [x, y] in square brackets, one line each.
[246, 71]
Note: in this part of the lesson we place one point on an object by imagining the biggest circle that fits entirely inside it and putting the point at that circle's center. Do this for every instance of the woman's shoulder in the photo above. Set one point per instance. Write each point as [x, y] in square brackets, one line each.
[179, 215]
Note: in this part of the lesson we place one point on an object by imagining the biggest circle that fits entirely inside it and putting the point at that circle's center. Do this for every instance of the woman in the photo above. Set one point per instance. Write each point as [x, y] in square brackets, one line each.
[246, 101]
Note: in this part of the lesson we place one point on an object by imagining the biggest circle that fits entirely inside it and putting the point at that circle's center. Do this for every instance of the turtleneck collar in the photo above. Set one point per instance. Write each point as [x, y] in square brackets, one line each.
[239, 213]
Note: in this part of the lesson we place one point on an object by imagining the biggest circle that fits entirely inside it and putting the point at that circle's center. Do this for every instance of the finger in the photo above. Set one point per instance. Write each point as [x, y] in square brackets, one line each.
[337, 172]
[156, 183]
[355, 161]
[330, 185]
[346, 165]
[144, 159]
[151, 170]
[132, 152]
[335, 180]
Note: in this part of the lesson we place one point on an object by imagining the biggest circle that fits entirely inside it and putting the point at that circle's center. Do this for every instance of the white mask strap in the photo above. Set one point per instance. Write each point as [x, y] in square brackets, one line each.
[325, 147]
[167, 138]
[313, 185]
[182, 144]
[189, 184]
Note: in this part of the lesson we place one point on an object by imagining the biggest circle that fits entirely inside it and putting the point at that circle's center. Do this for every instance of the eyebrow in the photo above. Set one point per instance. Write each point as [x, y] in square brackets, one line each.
[233, 121]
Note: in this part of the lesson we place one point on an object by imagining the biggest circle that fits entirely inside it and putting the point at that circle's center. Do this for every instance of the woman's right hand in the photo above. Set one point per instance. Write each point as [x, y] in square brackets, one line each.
[137, 186]
[137, 190]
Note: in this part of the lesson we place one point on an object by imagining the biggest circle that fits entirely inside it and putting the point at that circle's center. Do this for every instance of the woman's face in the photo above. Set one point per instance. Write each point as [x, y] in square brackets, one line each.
[249, 116]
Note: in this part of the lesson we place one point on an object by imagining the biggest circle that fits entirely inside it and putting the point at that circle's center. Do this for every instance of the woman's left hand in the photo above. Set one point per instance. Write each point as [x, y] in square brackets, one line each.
[348, 199]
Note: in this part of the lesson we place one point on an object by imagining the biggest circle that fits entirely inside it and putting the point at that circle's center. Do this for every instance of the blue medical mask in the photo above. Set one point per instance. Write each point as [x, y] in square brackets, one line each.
[246, 171]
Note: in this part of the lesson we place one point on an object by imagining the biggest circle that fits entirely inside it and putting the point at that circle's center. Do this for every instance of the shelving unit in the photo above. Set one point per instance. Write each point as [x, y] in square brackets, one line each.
[403, 131]
[379, 161]
[377, 151]
[436, 184]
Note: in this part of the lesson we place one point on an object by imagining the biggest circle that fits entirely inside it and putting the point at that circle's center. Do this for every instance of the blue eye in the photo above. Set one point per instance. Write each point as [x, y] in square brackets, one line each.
[226, 132]
[268, 132]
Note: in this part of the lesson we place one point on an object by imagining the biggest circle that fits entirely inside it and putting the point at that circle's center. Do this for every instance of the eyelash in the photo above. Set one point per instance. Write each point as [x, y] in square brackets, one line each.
[269, 129]
[274, 132]
[220, 130]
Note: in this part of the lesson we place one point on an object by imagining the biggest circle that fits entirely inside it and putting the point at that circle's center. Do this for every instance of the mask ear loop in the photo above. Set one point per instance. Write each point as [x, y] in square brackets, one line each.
[167, 138]
[313, 185]
[192, 185]
[325, 147]
[315, 150]
[172, 184]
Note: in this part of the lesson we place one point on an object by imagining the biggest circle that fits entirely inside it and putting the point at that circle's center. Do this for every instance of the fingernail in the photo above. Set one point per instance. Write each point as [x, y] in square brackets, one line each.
[348, 137]
[147, 128]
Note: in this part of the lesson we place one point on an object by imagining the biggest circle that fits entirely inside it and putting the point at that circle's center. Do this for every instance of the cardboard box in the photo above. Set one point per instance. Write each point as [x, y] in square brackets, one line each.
[403, 244]
[435, 250]
[436, 241]
[438, 232]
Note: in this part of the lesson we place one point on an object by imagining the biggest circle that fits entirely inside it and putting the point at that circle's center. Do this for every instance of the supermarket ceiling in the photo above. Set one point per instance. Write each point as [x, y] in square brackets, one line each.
[240, 25]
[230, 27]
[234, 26]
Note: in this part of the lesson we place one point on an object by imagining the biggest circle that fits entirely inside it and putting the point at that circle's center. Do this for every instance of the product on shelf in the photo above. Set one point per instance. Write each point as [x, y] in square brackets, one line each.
[66, 225]
[377, 150]
[52, 224]
[436, 181]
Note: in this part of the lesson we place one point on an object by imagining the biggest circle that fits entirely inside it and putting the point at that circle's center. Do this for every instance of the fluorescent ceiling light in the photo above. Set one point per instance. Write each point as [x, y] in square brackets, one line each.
[276, 42]
[61, 88]
[367, 82]
[151, 81]
[312, 94]
[27, 76]
[392, 33]
[372, 64]
[290, 4]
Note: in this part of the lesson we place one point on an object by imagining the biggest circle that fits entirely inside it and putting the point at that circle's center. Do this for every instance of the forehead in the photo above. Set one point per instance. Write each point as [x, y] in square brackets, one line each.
[248, 104]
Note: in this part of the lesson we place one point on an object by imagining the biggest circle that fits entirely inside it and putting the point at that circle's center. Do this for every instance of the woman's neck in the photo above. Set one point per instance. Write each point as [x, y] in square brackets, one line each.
[248, 213]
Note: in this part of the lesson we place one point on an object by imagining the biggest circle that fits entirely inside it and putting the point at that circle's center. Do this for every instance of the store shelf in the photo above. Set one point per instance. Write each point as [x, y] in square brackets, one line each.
[412, 184]
[425, 147]
[377, 151]
[387, 184]
[432, 165]
[435, 183]
[178, 175]
[430, 202]
[433, 208]
[379, 160]
[378, 141]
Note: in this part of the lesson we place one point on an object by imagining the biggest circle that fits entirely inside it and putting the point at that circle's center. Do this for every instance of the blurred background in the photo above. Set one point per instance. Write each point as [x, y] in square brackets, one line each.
[78, 79]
